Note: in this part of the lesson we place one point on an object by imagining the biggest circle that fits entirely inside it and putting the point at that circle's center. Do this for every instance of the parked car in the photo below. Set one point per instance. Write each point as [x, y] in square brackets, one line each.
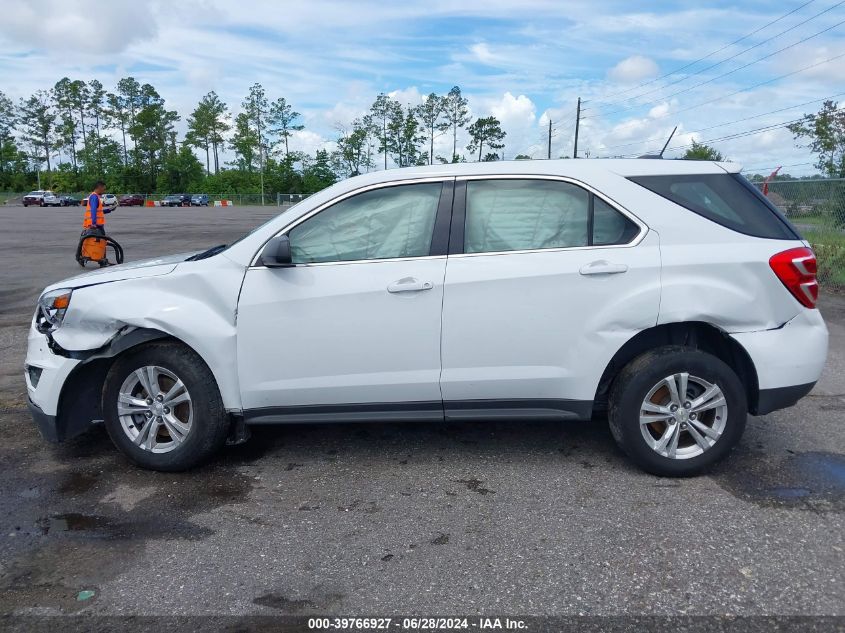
[49, 199]
[132, 200]
[199, 200]
[670, 294]
[177, 200]
[35, 198]
[70, 201]
[109, 200]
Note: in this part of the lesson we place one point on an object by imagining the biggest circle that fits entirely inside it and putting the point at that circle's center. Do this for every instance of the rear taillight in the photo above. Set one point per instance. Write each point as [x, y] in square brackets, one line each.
[796, 268]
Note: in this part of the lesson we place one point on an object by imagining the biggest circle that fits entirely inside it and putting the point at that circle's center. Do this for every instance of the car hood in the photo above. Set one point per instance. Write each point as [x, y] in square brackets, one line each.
[132, 270]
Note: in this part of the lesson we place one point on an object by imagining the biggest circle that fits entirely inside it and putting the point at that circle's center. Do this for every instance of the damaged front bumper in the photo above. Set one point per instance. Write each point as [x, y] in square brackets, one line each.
[46, 424]
[57, 417]
[46, 373]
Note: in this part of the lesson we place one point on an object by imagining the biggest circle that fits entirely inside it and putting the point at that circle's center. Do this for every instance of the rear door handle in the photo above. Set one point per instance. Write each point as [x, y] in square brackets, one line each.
[409, 284]
[603, 267]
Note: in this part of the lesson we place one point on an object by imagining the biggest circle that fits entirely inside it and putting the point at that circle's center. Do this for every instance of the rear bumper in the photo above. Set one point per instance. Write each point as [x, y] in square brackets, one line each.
[788, 360]
[780, 397]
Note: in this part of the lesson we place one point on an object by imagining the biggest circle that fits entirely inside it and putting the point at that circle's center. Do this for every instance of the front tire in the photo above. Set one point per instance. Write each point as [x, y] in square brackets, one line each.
[162, 408]
[676, 411]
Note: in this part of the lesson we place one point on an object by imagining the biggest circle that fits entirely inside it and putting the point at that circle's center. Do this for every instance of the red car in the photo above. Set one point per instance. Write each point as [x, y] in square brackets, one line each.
[131, 200]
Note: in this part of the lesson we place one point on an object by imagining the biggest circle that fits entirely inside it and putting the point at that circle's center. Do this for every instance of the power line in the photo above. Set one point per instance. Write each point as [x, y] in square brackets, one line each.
[716, 52]
[747, 88]
[731, 137]
[719, 63]
[730, 72]
[745, 133]
[712, 127]
[776, 166]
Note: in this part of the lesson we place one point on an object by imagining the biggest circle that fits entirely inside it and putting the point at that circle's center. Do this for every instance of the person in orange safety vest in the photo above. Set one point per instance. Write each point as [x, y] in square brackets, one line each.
[94, 210]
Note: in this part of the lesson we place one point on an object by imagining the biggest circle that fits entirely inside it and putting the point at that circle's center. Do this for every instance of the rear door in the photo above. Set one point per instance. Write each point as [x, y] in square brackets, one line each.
[546, 280]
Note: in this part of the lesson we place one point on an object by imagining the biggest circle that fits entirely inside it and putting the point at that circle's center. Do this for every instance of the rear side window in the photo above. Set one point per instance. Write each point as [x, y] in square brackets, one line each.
[724, 199]
[610, 226]
[535, 214]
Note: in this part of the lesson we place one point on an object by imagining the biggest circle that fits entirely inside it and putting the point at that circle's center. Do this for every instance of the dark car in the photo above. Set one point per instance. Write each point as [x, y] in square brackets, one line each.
[199, 200]
[69, 201]
[131, 200]
[177, 200]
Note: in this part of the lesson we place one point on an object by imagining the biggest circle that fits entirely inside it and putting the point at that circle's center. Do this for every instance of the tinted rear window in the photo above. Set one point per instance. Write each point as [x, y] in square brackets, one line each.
[727, 199]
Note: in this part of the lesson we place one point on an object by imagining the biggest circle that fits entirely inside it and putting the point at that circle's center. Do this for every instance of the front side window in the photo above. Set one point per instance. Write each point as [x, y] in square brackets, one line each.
[379, 224]
[513, 215]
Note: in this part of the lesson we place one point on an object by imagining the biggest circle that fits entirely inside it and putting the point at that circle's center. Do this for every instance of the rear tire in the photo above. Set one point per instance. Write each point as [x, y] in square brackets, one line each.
[669, 433]
[160, 425]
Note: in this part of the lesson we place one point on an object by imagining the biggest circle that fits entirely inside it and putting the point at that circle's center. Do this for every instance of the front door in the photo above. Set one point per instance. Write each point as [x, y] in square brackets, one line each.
[352, 330]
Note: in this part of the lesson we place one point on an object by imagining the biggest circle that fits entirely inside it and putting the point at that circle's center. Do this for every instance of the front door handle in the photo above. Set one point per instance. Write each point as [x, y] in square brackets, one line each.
[603, 267]
[409, 284]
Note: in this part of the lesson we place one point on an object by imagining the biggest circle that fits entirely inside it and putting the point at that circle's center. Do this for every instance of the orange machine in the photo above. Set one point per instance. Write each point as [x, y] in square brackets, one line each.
[92, 248]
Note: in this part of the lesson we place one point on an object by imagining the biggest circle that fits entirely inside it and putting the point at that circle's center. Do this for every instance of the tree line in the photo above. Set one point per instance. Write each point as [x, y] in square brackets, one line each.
[68, 136]
[76, 132]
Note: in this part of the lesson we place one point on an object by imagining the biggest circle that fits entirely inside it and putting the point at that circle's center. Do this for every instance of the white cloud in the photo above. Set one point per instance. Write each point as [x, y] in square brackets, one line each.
[659, 111]
[482, 53]
[330, 58]
[88, 26]
[308, 142]
[408, 97]
[634, 68]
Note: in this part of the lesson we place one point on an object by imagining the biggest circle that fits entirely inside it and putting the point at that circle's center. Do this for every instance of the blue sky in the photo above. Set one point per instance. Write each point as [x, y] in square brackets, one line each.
[522, 61]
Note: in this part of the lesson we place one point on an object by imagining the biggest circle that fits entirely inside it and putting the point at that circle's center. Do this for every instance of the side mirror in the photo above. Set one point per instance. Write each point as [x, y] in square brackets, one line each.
[277, 253]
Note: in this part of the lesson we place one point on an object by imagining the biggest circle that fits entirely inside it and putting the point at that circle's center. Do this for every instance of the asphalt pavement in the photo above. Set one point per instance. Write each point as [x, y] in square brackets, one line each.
[472, 518]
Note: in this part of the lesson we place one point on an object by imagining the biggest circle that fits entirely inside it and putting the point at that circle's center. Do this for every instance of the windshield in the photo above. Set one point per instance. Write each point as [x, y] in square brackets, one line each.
[261, 226]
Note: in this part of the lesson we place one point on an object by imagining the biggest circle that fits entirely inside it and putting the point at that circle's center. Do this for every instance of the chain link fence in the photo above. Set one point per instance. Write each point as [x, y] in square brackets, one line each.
[817, 209]
[237, 199]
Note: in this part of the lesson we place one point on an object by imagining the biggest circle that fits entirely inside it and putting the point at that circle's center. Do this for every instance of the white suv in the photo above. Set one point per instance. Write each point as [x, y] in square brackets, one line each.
[669, 294]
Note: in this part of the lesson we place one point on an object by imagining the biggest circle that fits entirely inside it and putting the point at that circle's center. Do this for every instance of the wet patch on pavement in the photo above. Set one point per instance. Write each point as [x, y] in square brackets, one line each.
[812, 480]
[81, 524]
[474, 485]
[318, 600]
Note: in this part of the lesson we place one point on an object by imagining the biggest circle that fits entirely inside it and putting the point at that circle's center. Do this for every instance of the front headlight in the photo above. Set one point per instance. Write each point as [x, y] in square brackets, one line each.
[51, 309]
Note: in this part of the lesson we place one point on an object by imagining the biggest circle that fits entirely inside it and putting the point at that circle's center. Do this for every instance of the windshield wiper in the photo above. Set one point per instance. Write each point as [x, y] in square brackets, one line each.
[211, 252]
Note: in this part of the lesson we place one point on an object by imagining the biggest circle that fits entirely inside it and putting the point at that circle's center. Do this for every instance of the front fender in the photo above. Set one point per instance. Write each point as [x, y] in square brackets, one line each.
[196, 304]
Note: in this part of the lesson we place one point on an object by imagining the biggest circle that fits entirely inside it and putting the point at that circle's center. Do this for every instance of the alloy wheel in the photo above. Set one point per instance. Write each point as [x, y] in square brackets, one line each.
[683, 416]
[155, 409]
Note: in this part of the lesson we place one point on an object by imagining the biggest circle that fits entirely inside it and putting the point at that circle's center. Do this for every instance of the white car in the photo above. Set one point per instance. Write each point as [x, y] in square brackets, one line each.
[50, 199]
[36, 197]
[670, 294]
[109, 201]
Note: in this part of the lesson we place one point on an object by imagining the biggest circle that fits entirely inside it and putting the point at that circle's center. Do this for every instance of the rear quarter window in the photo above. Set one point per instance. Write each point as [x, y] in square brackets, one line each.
[727, 199]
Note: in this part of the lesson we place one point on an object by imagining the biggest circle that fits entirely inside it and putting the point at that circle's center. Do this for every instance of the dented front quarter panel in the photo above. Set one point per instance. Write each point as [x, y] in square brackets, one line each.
[196, 302]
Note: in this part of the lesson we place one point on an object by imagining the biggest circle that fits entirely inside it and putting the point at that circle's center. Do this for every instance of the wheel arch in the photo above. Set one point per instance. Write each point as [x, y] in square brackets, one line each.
[80, 399]
[694, 334]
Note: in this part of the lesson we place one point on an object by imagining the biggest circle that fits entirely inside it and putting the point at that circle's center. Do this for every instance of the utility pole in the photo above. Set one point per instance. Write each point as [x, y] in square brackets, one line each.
[550, 139]
[577, 125]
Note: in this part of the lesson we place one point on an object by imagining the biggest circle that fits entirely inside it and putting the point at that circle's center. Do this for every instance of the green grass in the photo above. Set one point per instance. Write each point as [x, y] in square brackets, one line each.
[820, 221]
[831, 237]
[830, 251]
